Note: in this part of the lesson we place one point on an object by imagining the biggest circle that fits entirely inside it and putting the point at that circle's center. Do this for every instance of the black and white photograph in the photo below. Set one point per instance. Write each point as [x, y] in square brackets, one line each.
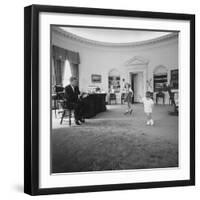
[114, 99]
[98, 100]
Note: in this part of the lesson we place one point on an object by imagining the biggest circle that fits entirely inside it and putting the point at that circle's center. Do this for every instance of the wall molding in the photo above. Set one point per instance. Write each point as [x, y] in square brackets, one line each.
[137, 60]
[83, 40]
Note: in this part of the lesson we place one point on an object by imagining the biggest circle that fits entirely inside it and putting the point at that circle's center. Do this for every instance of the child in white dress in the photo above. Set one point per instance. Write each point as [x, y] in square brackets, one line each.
[148, 108]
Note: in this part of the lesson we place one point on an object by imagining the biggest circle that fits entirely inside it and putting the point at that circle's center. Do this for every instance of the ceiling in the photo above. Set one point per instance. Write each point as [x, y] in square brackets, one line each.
[115, 35]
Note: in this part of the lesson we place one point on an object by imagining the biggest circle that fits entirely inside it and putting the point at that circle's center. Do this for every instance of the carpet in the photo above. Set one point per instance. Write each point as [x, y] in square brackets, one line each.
[103, 144]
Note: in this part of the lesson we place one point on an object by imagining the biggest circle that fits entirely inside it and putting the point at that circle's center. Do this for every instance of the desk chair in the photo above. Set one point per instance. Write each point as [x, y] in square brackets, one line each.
[112, 98]
[66, 112]
[57, 96]
[54, 103]
[160, 95]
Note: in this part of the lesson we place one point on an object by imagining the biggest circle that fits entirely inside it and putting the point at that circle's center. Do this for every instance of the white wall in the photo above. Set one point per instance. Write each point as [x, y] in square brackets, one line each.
[11, 101]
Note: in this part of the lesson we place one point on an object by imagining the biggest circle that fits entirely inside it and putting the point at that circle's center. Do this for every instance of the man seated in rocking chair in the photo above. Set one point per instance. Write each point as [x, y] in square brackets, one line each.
[74, 100]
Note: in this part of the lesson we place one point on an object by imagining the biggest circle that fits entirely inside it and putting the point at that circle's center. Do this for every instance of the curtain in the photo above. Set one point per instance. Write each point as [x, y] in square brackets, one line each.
[73, 57]
[64, 54]
[58, 72]
[60, 57]
[59, 53]
[53, 76]
[74, 69]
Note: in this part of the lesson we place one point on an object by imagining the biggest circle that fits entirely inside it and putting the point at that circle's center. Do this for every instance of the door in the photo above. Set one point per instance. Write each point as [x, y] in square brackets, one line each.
[133, 85]
[137, 86]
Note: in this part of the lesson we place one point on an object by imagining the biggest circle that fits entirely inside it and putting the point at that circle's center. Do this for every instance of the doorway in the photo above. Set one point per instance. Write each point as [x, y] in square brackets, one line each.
[137, 85]
[133, 85]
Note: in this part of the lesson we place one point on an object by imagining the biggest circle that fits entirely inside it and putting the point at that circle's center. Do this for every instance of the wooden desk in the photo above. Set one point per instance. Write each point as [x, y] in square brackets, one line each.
[94, 104]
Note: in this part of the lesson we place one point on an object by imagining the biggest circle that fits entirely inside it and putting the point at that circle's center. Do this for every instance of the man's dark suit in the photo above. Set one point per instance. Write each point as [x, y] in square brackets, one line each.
[73, 102]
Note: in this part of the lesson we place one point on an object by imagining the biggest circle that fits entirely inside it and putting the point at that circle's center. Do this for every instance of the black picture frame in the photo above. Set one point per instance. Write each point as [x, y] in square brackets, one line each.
[31, 98]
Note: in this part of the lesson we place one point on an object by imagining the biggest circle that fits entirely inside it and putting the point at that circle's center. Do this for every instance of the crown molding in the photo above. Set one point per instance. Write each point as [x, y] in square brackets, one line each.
[83, 40]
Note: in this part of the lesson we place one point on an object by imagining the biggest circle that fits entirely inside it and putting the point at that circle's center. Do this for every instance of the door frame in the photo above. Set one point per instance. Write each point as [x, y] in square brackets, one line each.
[144, 82]
[132, 82]
[132, 70]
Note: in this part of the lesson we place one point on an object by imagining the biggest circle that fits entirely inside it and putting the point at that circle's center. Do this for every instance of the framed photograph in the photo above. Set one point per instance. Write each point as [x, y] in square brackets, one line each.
[96, 78]
[137, 129]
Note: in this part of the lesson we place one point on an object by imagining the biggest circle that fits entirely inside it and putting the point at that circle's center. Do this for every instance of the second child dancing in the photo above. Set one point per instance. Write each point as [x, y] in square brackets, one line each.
[128, 98]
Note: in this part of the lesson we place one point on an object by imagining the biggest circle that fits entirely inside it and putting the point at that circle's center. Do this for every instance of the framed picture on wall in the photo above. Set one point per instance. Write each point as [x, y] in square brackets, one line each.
[96, 78]
[74, 141]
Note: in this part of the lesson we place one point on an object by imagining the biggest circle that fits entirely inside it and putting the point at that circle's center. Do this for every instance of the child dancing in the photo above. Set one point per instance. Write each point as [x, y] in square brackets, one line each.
[128, 98]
